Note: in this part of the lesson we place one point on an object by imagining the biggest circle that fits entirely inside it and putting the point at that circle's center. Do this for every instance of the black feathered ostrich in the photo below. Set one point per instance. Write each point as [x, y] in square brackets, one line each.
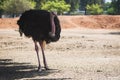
[42, 26]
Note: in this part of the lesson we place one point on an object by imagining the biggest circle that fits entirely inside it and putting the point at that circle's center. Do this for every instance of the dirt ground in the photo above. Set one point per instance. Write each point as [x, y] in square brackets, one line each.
[80, 54]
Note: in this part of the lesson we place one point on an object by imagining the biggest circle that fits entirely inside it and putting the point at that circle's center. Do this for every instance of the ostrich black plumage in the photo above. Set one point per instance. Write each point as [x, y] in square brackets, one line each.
[42, 26]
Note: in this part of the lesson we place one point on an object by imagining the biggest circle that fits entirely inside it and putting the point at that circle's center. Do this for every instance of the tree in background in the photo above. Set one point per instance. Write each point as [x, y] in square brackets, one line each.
[113, 8]
[15, 7]
[108, 8]
[75, 4]
[116, 6]
[94, 9]
[100, 2]
[1, 7]
[58, 6]
[39, 3]
[84, 3]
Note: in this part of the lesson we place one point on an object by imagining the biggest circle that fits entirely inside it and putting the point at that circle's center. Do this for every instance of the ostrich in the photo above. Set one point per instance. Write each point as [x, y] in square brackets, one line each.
[42, 26]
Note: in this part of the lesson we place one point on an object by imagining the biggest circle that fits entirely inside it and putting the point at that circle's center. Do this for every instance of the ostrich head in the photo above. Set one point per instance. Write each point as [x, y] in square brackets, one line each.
[20, 31]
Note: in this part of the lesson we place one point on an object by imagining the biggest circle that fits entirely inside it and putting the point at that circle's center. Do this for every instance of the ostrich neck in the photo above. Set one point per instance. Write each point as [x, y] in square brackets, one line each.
[52, 23]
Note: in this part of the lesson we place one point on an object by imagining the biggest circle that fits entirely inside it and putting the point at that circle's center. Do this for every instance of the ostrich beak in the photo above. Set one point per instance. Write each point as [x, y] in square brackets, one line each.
[20, 32]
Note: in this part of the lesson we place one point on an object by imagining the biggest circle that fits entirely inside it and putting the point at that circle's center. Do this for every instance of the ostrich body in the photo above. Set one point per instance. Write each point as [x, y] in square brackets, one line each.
[42, 26]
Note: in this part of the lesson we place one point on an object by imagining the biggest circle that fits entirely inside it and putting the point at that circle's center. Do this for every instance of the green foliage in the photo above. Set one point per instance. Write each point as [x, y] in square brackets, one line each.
[116, 5]
[106, 6]
[94, 9]
[113, 8]
[58, 6]
[39, 3]
[75, 4]
[110, 11]
[17, 6]
[1, 7]
[84, 3]
[1, 3]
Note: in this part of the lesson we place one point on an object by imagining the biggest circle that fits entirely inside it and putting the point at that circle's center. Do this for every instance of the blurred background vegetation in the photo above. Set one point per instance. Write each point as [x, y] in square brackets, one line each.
[14, 8]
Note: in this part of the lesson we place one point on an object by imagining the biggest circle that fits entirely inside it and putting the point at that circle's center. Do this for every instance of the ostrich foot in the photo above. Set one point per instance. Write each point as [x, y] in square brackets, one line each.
[39, 69]
[46, 68]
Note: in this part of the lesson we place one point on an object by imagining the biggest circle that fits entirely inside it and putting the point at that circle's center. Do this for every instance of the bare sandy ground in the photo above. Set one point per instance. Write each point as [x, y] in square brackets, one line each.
[80, 54]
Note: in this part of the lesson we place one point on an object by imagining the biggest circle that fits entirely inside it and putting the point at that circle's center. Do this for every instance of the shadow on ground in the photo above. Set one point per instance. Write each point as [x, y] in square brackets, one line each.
[115, 33]
[10, 70]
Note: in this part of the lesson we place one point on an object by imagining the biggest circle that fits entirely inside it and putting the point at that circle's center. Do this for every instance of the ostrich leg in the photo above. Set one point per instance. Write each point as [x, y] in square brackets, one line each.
[44, 59]
[37, 51]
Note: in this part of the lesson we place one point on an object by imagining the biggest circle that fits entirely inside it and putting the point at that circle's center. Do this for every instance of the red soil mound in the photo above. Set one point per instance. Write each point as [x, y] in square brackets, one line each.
[101, 21]
[8, 23]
